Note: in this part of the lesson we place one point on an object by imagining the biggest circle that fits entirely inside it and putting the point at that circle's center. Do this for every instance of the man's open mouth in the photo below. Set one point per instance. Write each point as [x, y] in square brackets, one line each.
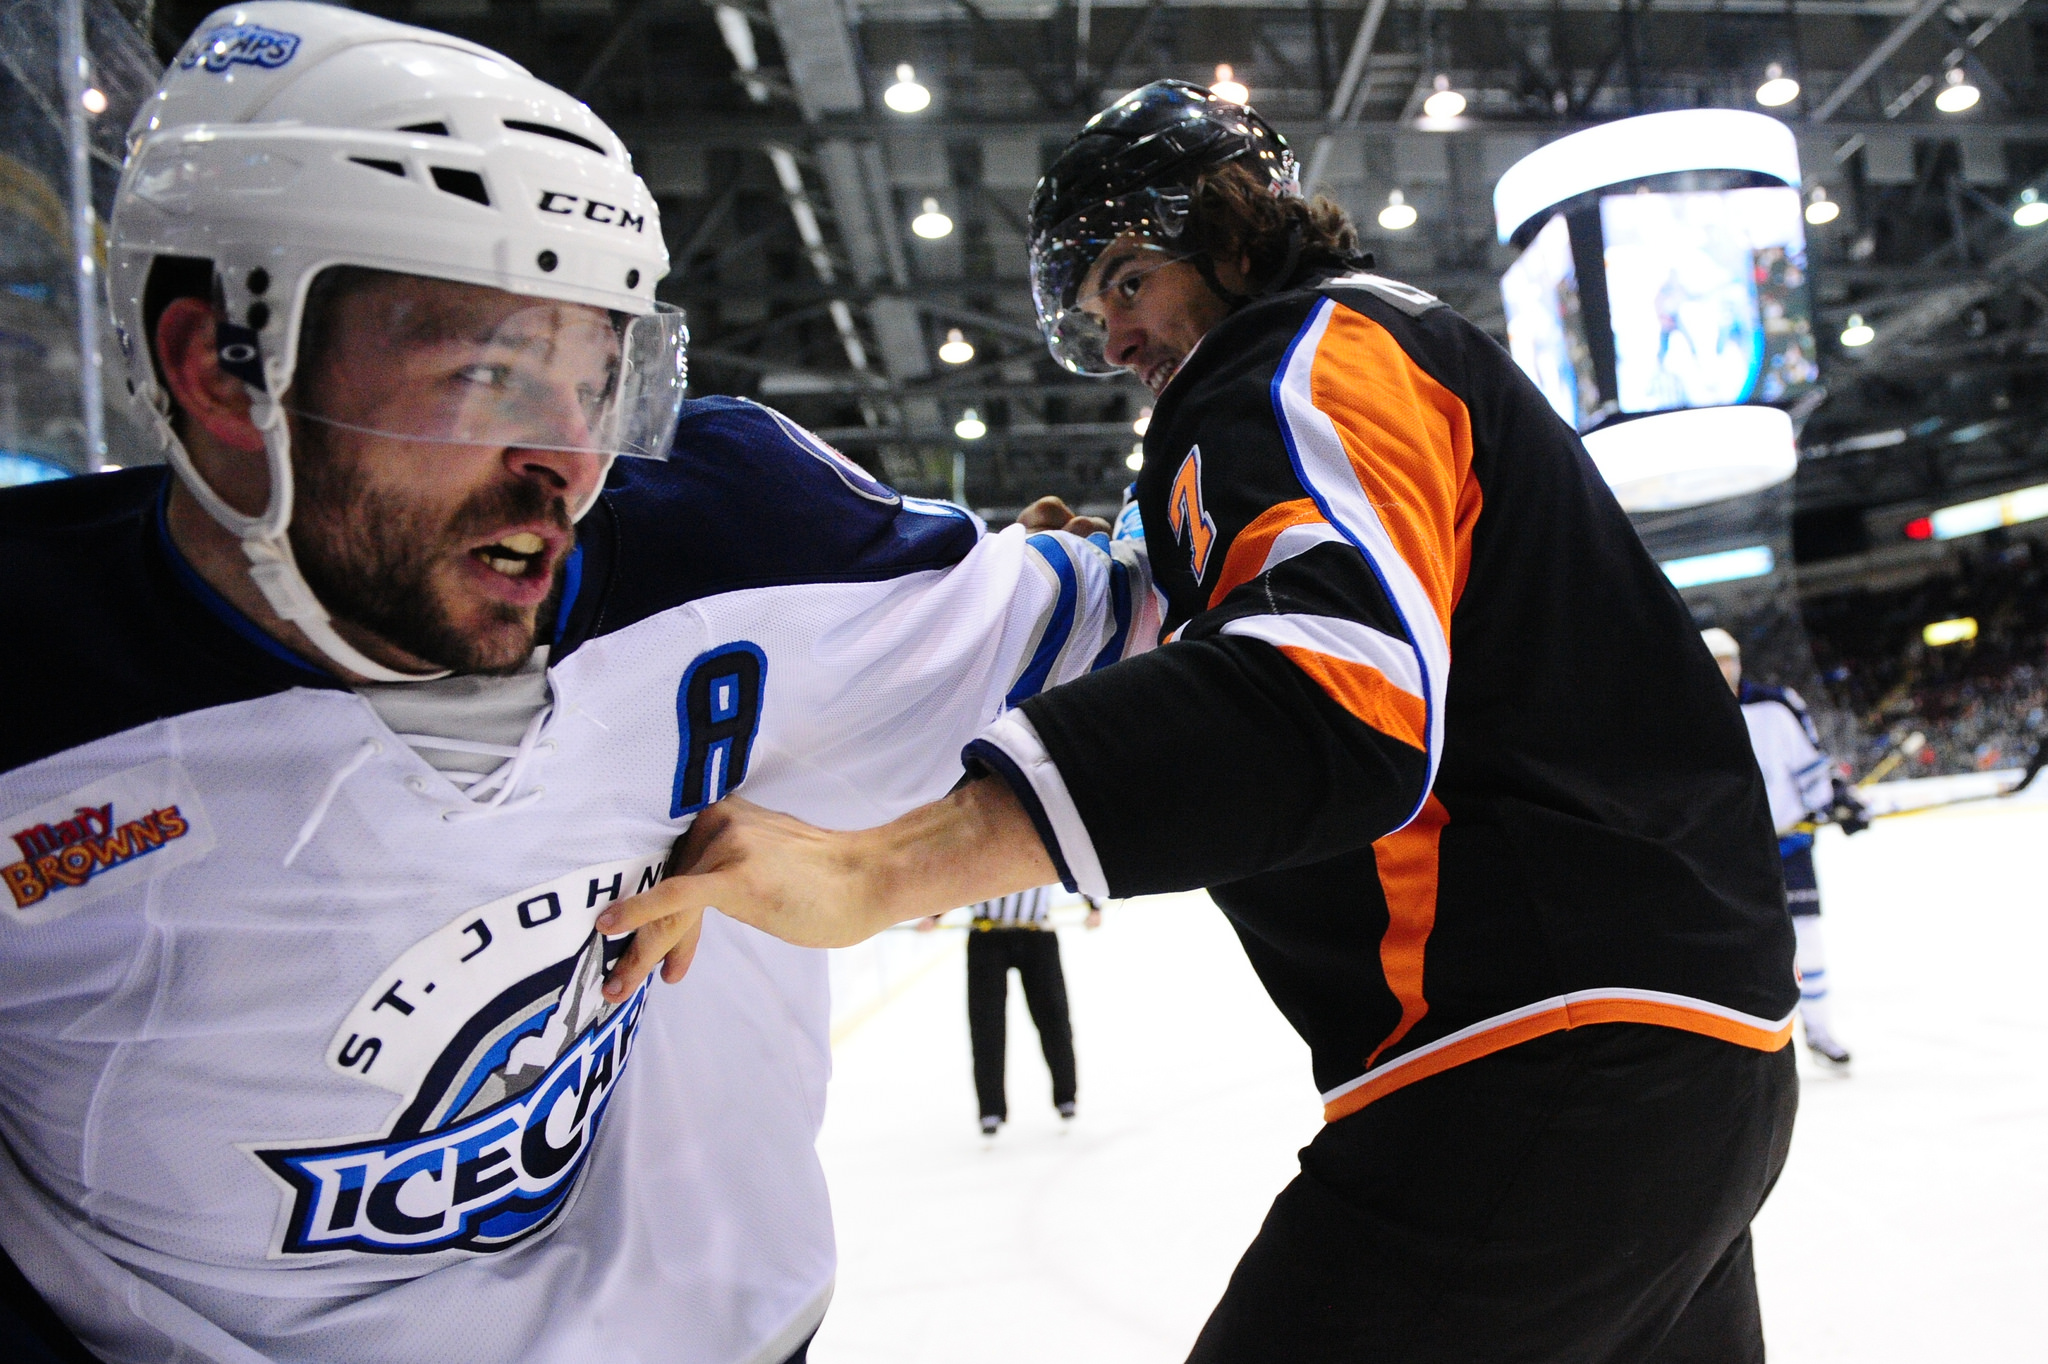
[515, 556]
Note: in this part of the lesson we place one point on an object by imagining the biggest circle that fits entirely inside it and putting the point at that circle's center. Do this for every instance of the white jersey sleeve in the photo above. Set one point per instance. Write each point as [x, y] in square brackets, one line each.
[888, 681]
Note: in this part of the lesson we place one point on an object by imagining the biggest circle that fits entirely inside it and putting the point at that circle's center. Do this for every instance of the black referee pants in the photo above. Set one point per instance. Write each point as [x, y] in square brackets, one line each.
[1035, 953]
[1584, 1197]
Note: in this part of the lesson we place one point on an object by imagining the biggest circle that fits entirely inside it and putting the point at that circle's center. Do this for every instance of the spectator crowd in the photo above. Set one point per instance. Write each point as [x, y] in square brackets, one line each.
[1979, 702]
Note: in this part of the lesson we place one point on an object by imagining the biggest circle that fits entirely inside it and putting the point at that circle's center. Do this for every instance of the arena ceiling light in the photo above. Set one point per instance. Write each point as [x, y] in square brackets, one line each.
[1227, 86]
[970, 426]
[930, 223]
[1821, 210]
[1778, 88]
[1135, 460]
[1683, 459]
[1444, 102]
[1728, 566]
[906, 96]
[1631, 148]
[1858, 332]
[2032, 210]
[1399, 214]
[1957, 94]
[1957, 631]
[957, 350]
[94, 99]
[1143, 422]
[738, 32]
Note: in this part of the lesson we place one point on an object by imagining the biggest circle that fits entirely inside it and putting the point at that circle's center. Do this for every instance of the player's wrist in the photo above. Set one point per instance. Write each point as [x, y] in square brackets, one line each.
[976, 844]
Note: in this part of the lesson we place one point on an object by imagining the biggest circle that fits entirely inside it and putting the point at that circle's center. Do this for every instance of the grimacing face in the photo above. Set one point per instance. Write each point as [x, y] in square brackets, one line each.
[443, 435]
[1153, 307]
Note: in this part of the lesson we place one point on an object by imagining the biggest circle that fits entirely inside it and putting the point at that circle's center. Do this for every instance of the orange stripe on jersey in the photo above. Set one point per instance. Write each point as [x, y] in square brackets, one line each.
[1522, 1027]
[1407, 861]
[1677, 1016]
[1365, 691]
[1410, 443]
[1248, 551]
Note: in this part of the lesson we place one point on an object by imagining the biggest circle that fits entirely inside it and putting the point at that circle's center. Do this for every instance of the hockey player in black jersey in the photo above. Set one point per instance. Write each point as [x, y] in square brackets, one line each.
[1441, 741]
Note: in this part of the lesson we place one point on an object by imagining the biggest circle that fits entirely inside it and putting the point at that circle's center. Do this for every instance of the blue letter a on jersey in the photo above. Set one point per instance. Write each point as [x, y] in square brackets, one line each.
[718, 709]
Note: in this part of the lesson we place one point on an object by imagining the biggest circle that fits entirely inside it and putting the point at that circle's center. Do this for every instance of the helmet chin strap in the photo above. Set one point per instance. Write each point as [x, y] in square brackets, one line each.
[268, 546]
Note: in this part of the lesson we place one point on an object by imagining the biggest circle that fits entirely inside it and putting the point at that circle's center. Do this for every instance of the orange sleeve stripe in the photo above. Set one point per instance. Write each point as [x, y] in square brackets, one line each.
[1365, 691]
[1407, 860]
[1409, 440]
[1579, 1014]
[1247, 556]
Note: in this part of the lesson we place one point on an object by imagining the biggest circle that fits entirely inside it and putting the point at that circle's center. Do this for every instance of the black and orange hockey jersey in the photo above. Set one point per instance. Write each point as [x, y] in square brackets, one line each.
[1429, 723]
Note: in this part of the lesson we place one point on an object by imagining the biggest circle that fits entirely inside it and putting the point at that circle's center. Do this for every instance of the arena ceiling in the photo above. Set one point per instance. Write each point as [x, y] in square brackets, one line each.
[788, 188]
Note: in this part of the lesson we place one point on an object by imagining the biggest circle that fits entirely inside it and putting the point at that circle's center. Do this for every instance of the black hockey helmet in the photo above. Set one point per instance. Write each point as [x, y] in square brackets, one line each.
[1133, 168]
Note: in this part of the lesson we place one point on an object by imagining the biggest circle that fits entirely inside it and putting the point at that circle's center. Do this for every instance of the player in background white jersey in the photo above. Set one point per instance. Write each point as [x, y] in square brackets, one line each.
[1804, 790]
[331, 748]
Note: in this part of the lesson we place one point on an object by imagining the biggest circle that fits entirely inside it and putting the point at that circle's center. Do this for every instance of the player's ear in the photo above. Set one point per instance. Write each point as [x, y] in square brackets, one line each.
[210, 398]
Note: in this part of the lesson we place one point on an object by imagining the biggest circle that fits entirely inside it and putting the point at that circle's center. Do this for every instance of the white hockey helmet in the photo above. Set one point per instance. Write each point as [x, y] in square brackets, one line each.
[287, 138]
[1720, 643]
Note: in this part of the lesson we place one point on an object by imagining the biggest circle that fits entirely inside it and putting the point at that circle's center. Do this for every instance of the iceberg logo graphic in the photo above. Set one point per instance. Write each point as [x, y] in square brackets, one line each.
[507, 1068]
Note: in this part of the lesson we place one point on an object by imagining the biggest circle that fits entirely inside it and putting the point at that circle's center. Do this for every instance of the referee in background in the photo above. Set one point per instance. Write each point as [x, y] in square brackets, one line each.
[1014, 932]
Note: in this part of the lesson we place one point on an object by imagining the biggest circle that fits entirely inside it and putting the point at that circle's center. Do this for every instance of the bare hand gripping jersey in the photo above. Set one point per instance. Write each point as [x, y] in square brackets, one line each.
[301, 1051]
[1431, 725]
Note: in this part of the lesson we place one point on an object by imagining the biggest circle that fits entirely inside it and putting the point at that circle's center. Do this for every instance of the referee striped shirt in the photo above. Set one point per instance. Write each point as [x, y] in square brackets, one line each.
[1025, 909]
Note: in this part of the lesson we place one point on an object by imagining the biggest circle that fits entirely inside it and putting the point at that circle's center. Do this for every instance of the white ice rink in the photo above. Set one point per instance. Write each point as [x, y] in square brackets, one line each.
[1911, 1223]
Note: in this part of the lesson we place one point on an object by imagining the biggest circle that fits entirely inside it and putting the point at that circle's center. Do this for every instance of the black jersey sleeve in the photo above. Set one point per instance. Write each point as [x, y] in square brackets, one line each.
[1307, 502]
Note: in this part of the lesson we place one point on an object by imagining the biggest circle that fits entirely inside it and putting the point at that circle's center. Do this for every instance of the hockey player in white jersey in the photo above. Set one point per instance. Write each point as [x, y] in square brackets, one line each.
[1804, 790]
[323, 755]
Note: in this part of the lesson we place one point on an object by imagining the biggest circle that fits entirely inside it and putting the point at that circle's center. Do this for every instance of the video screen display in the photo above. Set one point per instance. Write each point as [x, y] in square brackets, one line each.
[1708, 298]
[1546, 334]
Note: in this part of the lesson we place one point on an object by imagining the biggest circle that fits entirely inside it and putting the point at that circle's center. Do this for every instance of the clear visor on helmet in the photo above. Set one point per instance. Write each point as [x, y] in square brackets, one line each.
[1063, 257]
[411, 358]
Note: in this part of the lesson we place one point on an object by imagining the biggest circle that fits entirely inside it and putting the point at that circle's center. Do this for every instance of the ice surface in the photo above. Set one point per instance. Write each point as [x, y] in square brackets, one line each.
[1911, 1223]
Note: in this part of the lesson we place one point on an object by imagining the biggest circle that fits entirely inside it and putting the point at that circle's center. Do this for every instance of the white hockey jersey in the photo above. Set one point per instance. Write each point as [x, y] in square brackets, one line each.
[1795, 771]
[301, 1052]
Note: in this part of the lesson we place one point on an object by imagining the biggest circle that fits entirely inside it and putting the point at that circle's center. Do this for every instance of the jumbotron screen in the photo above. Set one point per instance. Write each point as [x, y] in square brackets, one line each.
[1546, 333]
[1707, 298]
[1648, 301]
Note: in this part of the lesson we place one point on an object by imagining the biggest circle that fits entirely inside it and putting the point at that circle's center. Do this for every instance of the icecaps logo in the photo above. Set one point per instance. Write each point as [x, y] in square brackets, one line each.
[495, 1031]
[101, 838]
[243, 45]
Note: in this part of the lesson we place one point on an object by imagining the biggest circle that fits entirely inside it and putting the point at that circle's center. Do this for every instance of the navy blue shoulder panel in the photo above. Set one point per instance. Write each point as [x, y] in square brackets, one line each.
[1755, 691]
[105, 636]
[748, 498]
[1748, 693]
